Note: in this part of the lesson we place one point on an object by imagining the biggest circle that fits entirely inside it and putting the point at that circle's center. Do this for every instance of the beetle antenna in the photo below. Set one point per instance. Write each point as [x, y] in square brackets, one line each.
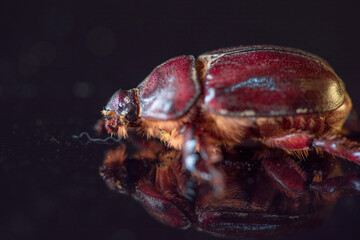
[96, 140]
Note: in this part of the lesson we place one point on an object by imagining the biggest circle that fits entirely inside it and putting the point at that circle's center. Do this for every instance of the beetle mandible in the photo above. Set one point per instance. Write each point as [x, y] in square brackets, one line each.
[283, 97]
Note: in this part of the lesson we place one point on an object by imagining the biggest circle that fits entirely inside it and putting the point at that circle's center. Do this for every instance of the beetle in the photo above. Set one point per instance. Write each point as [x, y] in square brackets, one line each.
[257, 201]
[282, 97]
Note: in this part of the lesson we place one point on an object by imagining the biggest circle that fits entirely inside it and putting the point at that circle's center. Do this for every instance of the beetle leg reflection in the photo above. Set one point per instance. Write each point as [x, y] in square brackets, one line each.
[349, 184]
[200, 166]
[285, 173]
[190, 159]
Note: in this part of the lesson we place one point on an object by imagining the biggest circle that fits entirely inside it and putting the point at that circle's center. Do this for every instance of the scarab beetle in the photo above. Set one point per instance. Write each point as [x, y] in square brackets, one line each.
[283, 97]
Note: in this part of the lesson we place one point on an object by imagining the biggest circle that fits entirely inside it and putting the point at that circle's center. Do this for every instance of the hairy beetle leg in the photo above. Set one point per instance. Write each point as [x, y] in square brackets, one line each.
[290, 142]
[333, 144]
[339, 146]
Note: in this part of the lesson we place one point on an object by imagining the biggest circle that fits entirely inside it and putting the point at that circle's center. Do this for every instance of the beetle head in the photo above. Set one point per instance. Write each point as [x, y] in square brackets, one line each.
[121, 111]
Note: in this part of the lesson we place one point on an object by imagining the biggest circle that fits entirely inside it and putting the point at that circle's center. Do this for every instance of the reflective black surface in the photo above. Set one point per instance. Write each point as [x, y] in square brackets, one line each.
[59, 63]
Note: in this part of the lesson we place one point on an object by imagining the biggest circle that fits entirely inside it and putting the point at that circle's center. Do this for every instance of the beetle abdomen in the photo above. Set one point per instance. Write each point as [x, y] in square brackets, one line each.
[170, 90]
[266, 81]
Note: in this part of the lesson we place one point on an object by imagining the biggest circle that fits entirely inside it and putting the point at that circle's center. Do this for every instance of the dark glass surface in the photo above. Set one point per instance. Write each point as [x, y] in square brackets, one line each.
[59, 64]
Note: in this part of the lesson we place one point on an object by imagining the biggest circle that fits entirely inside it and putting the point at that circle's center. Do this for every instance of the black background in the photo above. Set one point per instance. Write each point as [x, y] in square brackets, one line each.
[60, 61]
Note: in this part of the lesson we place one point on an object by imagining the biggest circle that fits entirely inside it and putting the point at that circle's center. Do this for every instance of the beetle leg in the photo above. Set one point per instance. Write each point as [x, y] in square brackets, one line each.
[290, 142]
[333, 144]
[200, 166]
[339, 146]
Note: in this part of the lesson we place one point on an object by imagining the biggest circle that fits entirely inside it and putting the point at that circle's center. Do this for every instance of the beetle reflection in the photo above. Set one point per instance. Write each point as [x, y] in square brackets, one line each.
[257, 201]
